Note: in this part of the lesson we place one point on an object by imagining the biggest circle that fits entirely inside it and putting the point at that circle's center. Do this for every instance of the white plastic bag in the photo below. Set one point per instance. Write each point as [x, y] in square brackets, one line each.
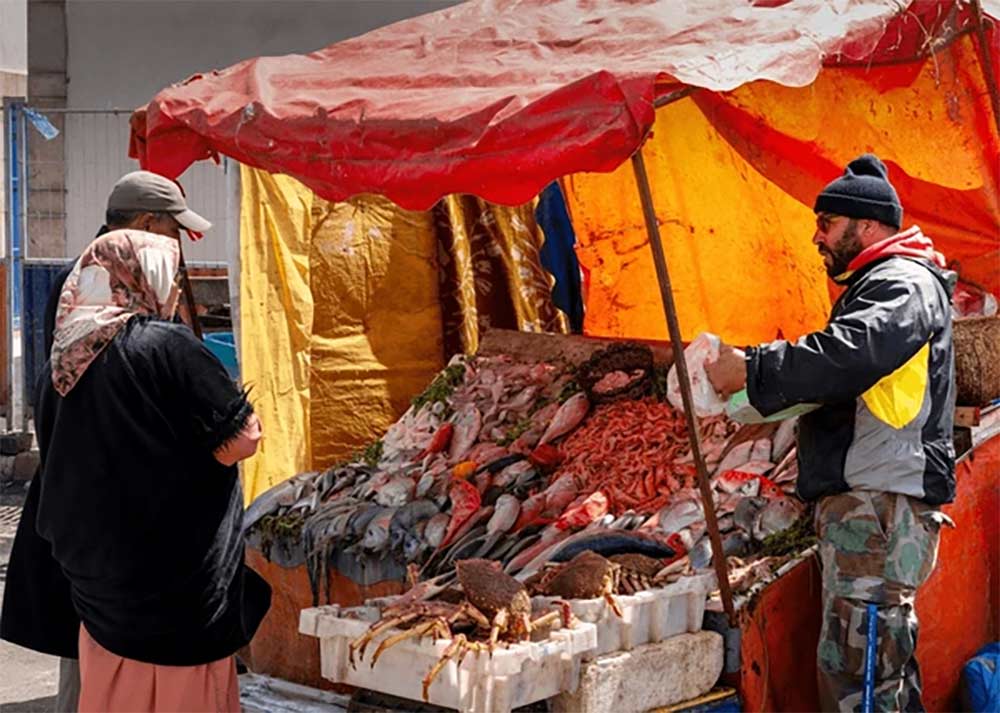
[704, 349]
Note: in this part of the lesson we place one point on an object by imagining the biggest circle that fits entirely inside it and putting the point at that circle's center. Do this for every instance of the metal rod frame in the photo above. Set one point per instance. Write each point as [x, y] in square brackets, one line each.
[683, 379]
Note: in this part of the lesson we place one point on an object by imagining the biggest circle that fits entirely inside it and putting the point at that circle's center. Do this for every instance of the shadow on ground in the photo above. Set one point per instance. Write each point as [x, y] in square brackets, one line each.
[35, 705]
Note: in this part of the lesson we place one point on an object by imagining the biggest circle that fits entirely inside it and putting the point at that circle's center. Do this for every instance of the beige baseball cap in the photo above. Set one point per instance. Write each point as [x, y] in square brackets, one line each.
[152, 193]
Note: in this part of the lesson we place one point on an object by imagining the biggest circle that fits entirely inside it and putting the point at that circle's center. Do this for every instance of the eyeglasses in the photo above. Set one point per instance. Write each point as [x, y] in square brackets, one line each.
[825, 221]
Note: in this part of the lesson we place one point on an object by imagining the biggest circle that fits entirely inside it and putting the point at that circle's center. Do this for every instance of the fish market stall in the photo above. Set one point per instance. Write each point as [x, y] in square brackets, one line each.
[560, 98]
[560, 459]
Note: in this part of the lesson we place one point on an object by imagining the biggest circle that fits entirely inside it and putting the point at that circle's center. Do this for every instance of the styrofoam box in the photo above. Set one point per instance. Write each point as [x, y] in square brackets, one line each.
[520, 674]
[647, 617]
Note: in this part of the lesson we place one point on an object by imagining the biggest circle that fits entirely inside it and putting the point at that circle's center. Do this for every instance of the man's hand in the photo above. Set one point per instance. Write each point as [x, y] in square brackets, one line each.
[728, 374]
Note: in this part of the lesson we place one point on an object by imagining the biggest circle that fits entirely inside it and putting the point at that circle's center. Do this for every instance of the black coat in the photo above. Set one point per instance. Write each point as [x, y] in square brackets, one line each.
[37, 609]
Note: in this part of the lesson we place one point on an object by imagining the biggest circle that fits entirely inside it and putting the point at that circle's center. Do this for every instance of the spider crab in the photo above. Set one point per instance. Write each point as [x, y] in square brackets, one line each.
[495, 609]
[586, 576]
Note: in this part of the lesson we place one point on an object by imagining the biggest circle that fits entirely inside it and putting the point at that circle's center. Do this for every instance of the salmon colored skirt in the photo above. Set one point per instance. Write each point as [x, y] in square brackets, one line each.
[112, 684]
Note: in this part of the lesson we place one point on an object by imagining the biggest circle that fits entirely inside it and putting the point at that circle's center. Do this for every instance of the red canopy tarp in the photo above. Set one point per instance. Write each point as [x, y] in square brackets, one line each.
[500, 97]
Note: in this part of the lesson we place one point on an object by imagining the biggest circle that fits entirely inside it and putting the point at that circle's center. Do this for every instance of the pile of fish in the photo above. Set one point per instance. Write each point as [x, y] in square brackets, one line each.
[509, 461]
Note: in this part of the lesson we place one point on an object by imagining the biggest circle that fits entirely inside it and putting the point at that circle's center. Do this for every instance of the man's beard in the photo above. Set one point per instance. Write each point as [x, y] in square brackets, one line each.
[846, 249]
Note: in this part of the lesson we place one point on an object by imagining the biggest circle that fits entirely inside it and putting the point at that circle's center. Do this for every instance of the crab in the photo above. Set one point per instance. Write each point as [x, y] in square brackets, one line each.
[638, 572]
[586, 576]
[495, 609]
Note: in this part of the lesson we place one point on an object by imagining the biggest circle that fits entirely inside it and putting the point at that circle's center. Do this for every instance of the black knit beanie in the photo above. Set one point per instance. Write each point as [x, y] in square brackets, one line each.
[863, 191]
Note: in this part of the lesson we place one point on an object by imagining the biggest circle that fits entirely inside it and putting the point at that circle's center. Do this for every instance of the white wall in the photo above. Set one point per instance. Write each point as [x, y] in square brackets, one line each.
[122, 52]
[14, 36]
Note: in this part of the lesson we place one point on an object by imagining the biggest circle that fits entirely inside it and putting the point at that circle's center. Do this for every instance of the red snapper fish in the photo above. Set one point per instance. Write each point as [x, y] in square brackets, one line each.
[580, 514]
[439, 441]
[465, 501]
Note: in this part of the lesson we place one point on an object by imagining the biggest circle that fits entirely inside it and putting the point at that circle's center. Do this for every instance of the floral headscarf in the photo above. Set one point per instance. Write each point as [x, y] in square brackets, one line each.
[120, 274]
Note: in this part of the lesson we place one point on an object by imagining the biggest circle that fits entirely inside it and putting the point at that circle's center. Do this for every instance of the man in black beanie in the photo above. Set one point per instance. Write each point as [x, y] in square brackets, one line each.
[876, 454]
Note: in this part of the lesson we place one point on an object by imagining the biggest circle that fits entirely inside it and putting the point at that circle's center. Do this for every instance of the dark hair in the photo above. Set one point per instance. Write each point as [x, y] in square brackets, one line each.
[119, 218]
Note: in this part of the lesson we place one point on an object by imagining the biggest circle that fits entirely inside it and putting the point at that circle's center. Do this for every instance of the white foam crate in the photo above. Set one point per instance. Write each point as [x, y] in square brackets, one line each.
[647, 617]
[515, 676]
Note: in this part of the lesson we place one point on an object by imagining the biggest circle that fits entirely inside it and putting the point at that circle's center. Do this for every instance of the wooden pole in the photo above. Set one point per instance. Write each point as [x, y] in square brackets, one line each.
[683, 379]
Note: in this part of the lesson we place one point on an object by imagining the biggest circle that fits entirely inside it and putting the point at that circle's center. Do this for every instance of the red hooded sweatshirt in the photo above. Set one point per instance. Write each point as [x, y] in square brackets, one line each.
[909, 243]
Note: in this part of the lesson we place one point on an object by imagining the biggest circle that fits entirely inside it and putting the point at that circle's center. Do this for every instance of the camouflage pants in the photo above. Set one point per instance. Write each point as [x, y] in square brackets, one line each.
[875, 548]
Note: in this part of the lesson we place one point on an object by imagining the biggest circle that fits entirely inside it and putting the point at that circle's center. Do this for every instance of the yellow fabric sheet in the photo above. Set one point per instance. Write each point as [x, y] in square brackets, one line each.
[344, 306]
[377, 328]
[276, 314]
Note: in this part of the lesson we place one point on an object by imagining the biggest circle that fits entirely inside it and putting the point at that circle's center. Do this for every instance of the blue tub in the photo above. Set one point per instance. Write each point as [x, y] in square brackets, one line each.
[223, 345]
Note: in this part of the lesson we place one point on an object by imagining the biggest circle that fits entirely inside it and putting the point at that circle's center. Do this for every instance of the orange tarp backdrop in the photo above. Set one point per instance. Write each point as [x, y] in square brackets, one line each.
[734, 176]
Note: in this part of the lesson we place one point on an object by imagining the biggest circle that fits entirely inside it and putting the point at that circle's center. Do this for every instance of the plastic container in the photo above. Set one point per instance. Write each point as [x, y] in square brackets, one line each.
[647, 617]
[515, 676]
[223, 346]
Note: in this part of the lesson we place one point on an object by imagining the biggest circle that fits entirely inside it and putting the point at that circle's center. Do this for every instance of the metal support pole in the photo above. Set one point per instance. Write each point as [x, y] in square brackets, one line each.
[20, 252]
[11, 190]
[670, 310]
[16, 160]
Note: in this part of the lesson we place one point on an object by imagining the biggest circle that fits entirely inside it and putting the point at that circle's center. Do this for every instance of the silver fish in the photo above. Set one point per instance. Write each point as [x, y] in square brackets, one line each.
[779, 514]
[737, 456]
[678, 515]
[784, 439]
[735, 544]
[787, 471]
[405, 520]
[425, 484]
[692, 534]
[468, 422]
[396, 493]
[511, 473]
[505, 513]
[746, 512]
[268, 502]
[435, 529]
[568, 417]
[761, 450]
[377, 535]
[360, 520]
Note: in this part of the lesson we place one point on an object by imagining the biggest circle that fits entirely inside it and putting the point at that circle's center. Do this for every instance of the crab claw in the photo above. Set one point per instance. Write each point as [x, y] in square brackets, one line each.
[456, 650]
[610, 599]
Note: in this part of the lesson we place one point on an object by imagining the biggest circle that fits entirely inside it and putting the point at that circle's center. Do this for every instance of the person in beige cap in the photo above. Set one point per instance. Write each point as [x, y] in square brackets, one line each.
[37, 612]
[140, 200]
[143, 200]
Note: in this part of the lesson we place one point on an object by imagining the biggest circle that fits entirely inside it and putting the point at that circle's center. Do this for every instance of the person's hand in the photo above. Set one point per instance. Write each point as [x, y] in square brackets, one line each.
[243, 445]
[727, 374]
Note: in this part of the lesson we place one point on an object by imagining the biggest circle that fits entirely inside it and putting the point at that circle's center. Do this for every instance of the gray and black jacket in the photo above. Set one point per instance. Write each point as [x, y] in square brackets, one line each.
[883, 370]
